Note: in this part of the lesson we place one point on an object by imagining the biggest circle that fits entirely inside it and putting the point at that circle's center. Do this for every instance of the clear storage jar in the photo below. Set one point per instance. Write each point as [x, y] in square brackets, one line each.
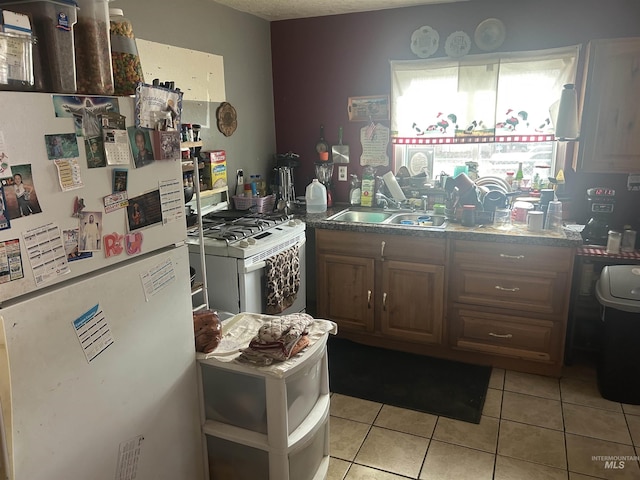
[125, 61]
[54, 63]
[16, 62]
[93, 48]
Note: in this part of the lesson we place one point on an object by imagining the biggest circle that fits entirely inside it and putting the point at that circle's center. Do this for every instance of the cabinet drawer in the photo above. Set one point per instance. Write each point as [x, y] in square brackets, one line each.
[414, 249]
[505, 335]
[514, 257]
[541, 292]
[350, 243]
[378, 246]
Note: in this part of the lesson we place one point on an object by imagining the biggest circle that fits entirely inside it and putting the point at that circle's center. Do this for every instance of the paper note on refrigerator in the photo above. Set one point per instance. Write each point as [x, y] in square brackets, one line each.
[128, 456]
[69, 174]
[172, 201]
[5, 167]
[45, 249]
[157, 278]
[93, 332]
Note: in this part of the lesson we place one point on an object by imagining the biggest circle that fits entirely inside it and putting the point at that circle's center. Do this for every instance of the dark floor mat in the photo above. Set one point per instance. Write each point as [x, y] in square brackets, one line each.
[426, 384]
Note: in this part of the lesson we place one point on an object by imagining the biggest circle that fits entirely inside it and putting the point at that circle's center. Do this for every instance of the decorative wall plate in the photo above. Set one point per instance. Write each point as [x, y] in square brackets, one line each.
[227, 119]
[418, 162]
[424, 42]
[490, 34]
[458, 44]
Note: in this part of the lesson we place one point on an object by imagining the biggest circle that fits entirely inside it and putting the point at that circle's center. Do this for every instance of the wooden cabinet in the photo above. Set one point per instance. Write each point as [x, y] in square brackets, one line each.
[510, 301]
[412, 301]
[610, 120]
[385, 286]
[345, 285]
[486, 302]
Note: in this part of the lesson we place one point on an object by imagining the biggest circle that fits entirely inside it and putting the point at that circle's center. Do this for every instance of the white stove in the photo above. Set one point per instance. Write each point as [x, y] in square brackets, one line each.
[236, 245]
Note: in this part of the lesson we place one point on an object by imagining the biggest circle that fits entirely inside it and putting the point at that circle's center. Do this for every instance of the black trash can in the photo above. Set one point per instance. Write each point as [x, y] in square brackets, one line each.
[618, 291]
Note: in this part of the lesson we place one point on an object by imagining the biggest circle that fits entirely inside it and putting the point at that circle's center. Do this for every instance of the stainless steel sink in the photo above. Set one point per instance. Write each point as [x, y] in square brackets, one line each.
[407, 218]
[402, 217]
[357, 216]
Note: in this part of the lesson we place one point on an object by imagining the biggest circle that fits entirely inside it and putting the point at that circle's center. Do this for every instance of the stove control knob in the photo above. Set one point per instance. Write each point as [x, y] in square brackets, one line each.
[243, 244]
[292, 223]
[251, 241]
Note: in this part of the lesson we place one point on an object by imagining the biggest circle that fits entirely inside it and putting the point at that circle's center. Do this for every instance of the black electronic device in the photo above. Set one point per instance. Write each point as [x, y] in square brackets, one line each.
[601, 203]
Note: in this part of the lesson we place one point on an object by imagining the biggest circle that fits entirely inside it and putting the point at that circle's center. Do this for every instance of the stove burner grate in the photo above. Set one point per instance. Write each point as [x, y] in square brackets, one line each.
[230, 226]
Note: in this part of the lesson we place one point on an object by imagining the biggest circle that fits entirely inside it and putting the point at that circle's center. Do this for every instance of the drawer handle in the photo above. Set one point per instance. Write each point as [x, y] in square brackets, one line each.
[513, 257]
[369, 299]
[497, 335]
[382, 245]
[384, 301]
[514, 289]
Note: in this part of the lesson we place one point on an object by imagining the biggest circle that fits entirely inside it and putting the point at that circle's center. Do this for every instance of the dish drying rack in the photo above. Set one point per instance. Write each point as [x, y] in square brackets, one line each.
[261, 204]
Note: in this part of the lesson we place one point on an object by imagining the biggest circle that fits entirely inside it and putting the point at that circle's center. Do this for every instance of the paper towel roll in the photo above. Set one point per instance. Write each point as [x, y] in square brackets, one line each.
[392, 184]
[567, 123]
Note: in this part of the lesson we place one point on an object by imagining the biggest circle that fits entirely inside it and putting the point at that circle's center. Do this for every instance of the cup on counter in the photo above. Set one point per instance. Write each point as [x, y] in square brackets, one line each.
[520, 210]
[502, 218]
[553, 221]
[535, 220]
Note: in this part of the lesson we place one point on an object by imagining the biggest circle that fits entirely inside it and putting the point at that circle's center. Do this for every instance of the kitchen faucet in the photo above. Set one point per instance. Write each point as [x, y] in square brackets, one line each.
[383, 201]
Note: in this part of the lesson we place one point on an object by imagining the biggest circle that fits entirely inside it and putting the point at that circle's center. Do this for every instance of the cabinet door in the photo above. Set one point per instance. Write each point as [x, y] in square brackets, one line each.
[412, 301]
[610, 129]
[345, 291]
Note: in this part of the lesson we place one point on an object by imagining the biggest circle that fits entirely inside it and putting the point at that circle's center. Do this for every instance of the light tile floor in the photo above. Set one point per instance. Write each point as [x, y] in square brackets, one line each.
[532, 428]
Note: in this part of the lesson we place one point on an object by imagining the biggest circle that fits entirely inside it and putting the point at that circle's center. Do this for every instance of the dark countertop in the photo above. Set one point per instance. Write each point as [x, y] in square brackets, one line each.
[518, 234]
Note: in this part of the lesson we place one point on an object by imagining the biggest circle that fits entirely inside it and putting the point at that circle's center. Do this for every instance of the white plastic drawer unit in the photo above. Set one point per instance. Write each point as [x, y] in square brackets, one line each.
[240, 398]
[231, 460]
[262, 425]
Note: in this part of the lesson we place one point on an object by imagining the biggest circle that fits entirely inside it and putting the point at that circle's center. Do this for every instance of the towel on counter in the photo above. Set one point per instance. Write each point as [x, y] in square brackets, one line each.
[278, 339]
[283, 280]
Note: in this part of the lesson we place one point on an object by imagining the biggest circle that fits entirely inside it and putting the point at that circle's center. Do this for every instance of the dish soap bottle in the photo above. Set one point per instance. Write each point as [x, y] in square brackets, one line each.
[368, 186]
[355, 192]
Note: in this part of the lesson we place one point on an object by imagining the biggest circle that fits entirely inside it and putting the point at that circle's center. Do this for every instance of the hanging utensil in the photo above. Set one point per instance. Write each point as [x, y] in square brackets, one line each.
[340, 152]
[322, 145]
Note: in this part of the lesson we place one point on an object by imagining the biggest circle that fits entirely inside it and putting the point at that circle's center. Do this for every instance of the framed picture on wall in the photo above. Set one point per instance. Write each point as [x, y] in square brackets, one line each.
[368, 109]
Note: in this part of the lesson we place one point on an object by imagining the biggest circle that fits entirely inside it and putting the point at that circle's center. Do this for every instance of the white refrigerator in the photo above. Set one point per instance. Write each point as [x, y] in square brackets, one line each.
[98, 377]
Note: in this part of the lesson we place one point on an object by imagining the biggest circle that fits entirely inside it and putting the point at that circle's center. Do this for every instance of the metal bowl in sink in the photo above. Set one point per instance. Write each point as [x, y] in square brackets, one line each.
[357, 216]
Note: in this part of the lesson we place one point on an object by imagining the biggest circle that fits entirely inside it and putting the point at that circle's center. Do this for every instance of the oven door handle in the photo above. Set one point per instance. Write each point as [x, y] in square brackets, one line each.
[261, 265]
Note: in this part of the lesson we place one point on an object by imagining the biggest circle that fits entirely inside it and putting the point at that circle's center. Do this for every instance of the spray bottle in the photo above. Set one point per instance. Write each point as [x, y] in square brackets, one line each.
[239, 183]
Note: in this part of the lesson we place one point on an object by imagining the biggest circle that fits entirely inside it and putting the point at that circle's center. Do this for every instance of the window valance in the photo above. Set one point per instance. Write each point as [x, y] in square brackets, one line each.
[495, 97]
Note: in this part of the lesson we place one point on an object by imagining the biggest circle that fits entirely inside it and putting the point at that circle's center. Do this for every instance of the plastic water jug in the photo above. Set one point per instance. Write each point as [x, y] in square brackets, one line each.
[316, 197]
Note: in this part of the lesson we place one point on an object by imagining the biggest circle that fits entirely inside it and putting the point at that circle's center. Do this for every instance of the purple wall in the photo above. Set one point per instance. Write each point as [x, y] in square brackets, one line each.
[319, 62]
